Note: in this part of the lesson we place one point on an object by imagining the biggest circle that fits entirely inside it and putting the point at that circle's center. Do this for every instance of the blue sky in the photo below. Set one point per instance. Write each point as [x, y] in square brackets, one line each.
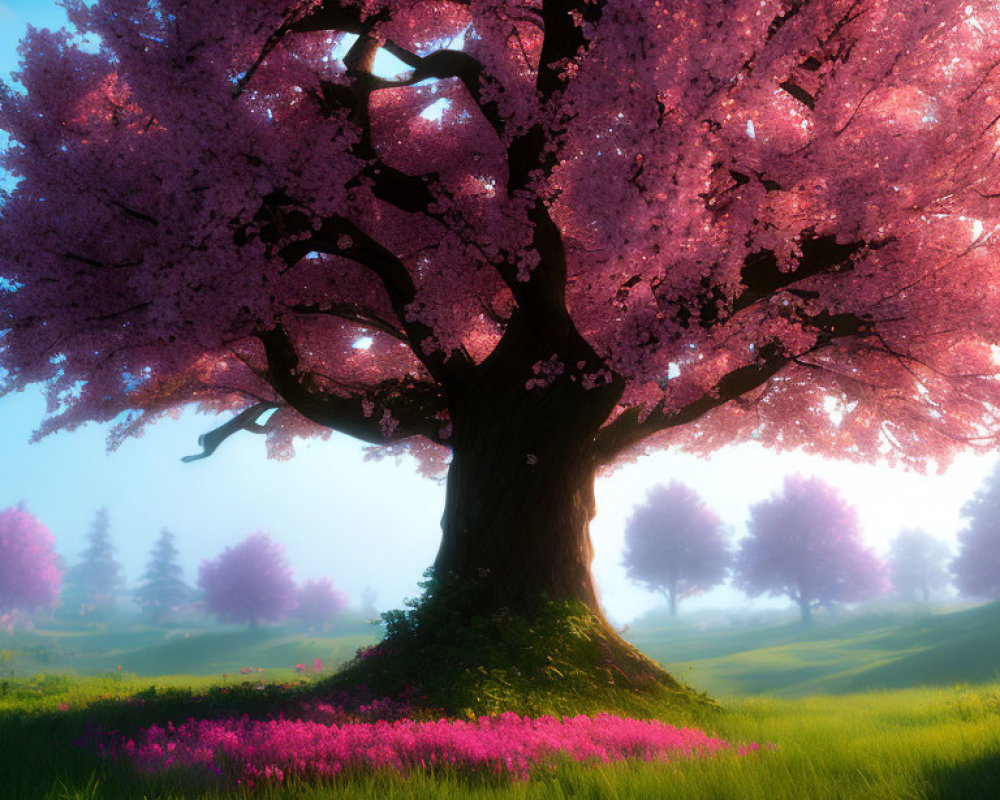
[375, 524]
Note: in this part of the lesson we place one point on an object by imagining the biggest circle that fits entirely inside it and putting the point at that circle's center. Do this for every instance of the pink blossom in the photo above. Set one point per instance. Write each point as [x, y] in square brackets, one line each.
[29, 574]
[508, 744]
[249, 582]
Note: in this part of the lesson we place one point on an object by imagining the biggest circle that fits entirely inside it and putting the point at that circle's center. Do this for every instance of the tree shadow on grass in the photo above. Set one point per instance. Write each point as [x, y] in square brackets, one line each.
[978, 779]
[51, 754]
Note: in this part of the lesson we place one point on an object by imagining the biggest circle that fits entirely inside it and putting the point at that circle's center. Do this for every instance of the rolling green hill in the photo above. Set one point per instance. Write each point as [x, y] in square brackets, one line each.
[883, 651]
[145, 650]
[833, 656]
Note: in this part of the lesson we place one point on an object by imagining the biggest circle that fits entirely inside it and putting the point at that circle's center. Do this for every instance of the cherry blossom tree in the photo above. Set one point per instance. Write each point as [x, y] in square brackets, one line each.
[162, 589]
[29, 573]
[805, 543]
[676, 544]
[317, 602]
[250, 582]
[535, 237]
[917, 564]
[976, 568]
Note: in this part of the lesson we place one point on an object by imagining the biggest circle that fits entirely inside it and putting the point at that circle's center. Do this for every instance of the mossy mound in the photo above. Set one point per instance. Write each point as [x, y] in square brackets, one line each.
[560, 658]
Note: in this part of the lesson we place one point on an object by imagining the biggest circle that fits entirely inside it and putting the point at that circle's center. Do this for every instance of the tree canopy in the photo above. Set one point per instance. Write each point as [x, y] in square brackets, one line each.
[29, 572]
[250, 582]
[977, 566]
[769, 219]
[317, 602]
[675, 543]
[805, 543]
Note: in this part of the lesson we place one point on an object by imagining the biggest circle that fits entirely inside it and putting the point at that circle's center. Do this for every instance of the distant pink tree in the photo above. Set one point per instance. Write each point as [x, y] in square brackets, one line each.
[676, 544]
[318, 602]
[250, 582]
[805, 543]
[29, 574]
[976, 568]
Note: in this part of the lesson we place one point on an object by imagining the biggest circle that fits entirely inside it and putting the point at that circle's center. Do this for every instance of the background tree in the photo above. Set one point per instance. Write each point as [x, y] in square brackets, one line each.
[92, 586]
[162, 589]
[977, 566]
[368, 608]
[676, 544]
[318, 602]
[29, 574]
[805, 543]
[917, 564]
[632, 225]
[250, 582]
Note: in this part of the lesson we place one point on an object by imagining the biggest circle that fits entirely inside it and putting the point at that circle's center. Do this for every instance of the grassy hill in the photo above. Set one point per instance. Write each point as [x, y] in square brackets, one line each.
[145, 650]
[921, 743]
[781, 658]
[877, 651]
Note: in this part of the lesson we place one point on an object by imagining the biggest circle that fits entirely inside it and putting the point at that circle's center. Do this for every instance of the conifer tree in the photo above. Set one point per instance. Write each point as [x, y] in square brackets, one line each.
[92, 586]
[163, 588]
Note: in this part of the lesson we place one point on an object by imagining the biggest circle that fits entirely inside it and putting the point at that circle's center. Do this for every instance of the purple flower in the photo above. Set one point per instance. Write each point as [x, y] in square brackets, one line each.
[273, 749]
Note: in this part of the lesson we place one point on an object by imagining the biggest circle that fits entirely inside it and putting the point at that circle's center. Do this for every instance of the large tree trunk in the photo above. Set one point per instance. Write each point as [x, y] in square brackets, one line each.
[520, 495]
[515, 533]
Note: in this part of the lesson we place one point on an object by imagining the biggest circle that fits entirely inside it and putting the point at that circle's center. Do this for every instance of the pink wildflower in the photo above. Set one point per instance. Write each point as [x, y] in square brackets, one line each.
[273, 749]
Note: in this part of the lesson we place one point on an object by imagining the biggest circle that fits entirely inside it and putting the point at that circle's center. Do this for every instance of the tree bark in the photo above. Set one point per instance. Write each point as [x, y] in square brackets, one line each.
[520, 495]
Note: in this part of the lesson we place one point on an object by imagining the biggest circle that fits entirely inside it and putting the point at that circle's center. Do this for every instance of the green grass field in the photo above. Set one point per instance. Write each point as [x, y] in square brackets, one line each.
[833, 656]
[147, 651]
[928, 726]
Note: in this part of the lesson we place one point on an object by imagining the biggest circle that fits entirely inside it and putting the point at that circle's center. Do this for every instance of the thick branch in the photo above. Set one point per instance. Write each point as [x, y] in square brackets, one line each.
[440, 64]
[541, 300]
[627, 430]
[443, 64]
[329, 16]
[821, 255]
[351, 313]
[762, 278]
[390, 411]
[341, 237]
[798, 93]
[333, 15]
[246, 420]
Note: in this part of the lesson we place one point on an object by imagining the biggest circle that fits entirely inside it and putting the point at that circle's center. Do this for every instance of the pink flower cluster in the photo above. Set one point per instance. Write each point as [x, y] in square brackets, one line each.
[250, 750]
